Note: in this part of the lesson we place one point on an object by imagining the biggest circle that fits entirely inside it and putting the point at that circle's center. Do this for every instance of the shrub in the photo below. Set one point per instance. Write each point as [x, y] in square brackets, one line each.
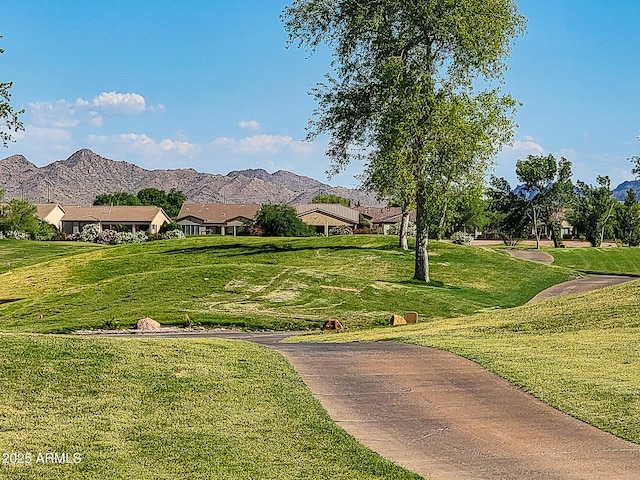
[282, 221]
[395, 229]
[130, 237]
[341, 230]
[107, 237]
[172, 234]
[16, 235]
[90, 232]
[462, 238]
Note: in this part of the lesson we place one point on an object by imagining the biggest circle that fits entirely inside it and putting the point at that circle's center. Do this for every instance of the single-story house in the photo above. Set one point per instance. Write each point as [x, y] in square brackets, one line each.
[121, 218]
[50, 212]
[216, 218]
[324, 216]
[383, 218]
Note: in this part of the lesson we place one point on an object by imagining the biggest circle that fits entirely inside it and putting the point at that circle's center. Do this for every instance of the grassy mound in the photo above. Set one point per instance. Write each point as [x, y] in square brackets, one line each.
[149, 409]
[261, 283]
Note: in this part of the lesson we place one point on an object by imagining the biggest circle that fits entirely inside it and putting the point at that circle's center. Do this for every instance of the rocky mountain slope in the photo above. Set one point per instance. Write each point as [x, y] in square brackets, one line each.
[85, 174]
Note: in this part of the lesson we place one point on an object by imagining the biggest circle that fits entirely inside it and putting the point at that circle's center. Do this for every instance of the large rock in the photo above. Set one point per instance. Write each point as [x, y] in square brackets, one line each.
[411, 317]
[332, 325]
[147, 324]
[397, 320]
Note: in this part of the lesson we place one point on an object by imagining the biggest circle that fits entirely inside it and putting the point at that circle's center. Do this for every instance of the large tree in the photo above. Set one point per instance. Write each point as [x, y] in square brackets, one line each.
[9, 123]
[547, 189]
[593, 209]
[405, 85]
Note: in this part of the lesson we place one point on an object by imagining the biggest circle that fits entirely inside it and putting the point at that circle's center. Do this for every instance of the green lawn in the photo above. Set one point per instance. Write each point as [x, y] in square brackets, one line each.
[620, 260]
[168, 409]
[262, 283]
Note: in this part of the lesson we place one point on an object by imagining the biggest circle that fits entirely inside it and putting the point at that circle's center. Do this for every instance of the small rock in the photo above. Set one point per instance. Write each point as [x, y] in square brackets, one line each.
[147, 324]
[397, 320]
[332, 325]
[411, 317]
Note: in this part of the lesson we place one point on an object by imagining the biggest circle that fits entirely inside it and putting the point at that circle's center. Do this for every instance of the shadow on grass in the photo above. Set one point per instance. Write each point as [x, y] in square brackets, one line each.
[431, 284]
[9, 300]
[243, 249]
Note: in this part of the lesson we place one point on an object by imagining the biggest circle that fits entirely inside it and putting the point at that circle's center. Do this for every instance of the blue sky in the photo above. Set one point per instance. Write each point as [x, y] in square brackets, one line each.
[209, 84]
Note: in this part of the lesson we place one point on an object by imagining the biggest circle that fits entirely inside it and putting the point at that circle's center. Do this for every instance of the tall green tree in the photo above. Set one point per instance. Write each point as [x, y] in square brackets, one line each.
[547, 190]
[627, 220]
[330, 198]
[9, 122]
[593, 209]
[510, 211]
[117, 198]
[405, 82]
[393, 183]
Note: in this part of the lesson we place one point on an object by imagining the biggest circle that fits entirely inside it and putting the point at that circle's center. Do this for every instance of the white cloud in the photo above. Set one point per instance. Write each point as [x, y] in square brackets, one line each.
[114, 103]
[144, 144]
[264, 144]
[64, 114]
[526, 146]
[250, 125]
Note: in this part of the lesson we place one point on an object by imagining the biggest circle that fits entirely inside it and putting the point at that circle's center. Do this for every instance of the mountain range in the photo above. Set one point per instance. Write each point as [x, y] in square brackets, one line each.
[85, 174]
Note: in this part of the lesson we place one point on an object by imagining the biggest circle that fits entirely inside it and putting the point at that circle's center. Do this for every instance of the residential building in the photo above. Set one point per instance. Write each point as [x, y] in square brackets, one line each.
[120, 218]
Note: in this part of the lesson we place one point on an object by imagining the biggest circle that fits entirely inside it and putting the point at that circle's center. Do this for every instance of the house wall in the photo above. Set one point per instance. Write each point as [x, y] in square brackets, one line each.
[55, 218]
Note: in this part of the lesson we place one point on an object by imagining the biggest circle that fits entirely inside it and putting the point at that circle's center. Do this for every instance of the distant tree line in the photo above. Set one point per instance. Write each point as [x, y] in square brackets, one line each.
[170, 202]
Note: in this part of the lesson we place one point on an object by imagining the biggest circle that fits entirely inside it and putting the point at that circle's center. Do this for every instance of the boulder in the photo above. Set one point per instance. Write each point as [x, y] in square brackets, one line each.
[397, 320]
[332, 325]
[411, 317]
[147, 324]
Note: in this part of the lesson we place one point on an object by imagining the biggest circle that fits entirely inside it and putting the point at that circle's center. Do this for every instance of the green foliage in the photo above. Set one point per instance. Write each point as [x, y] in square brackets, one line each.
[547, 190]
[20, 215]
[118, 198]
[331, 198]
[170, 202]
[403, 94]
[9, 122]
[510, 211]
[627, 220]
[277, 220]
[593, 209]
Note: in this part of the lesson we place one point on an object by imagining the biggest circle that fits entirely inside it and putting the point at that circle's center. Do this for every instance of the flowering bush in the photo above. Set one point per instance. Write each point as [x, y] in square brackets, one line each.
[107, 237]
[342, 230]
[461, 238]
[171, 234]
[90, 232]
[16, 235]
[129, 237]
[395, 229]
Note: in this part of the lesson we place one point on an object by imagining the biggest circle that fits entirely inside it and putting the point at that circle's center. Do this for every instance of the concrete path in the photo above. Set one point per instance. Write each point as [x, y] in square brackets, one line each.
[445, 417]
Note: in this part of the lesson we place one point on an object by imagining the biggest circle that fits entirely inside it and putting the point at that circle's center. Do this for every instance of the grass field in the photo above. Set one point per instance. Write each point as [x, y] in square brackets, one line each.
[261, 284]
[621, 260]
[139, 408]
[167, 409]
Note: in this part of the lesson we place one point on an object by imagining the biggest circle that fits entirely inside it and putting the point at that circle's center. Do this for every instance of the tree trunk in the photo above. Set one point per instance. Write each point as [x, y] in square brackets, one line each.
[556, 234]
[535, 228]
[404, 228]
[422, 236]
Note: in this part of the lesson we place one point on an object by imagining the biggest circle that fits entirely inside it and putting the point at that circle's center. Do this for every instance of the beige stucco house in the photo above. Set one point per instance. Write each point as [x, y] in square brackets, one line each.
[121, 218]
[325, 216]
[216, 218]
[50, 212]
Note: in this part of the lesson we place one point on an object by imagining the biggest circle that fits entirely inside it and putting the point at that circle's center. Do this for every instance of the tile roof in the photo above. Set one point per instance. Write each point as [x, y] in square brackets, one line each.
[332, 209]
[107, 213]
[218, 213]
